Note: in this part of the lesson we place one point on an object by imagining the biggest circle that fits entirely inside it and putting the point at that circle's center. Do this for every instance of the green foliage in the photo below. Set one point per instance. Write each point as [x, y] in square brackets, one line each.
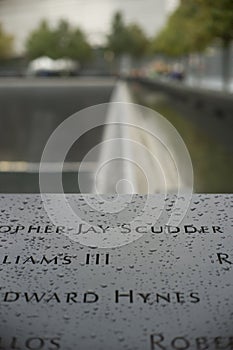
[41, 42]
[63, 41]
[219, 18]
[118, 38]
[78, 47]
[6, 44]
[194, 25]
[138, 42]
[126, 39]
[184, 31]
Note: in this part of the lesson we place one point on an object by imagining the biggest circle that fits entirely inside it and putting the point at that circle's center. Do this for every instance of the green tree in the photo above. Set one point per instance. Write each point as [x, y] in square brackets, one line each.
[6, 44]
[78, 46]
[126, 39]
[184, 32]
[194, 25]
[41, 42]
[62, 41]
[117, 40]
[219, 24]
[138, 42]
[218, 18]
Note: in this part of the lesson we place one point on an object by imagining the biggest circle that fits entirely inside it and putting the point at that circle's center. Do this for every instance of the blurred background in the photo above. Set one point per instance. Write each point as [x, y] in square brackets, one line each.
[58, 57]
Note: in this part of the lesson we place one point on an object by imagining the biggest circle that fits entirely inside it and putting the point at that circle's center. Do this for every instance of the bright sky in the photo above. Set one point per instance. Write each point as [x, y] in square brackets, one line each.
[19, 17]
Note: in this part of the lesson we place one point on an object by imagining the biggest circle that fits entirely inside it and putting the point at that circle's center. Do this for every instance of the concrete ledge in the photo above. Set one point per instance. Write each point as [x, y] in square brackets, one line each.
[216, 103]
[211, 110]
